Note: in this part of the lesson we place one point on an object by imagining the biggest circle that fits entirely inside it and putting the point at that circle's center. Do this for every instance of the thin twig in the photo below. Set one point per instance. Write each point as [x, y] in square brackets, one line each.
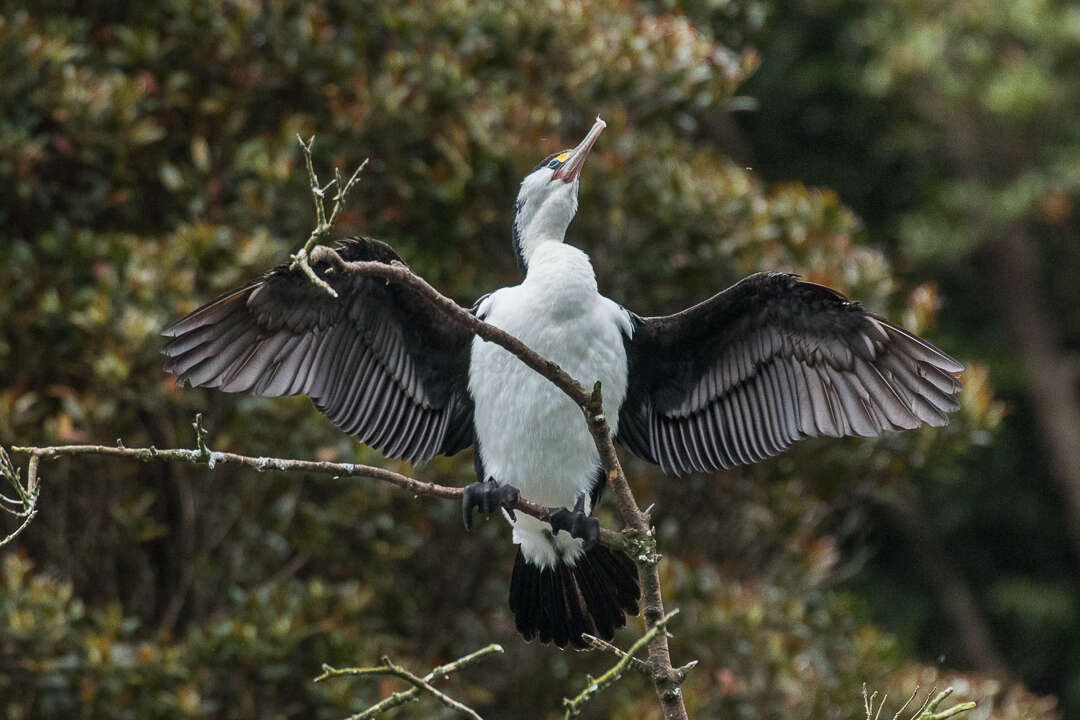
[914, 694]
[323, 224]
[598, 644]
[593, 686]
[25, 506]
[419, 683]
[929, 711]
[213, 458]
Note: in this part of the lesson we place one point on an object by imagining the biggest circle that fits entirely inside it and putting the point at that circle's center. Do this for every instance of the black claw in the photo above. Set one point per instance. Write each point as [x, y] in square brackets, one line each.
[487, 497]
[577, 523]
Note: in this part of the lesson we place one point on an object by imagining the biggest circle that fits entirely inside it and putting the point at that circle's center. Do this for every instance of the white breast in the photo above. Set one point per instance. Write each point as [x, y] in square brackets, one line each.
[529, 433]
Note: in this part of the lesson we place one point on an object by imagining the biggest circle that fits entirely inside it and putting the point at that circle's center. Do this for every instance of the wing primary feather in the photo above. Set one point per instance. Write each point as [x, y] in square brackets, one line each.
[893, 405]
[335, 384]
[770, 420]
[750, 422]
[922, 350]
[807, 412]
[716, 458]
[820, 422]
[753, 415]
[210, 313]
[674, 461]
[918, 386]
[735, 430]
[724, 433]
[397, 415]
[691, 434]
[852, 401]
[940, 379]
[182, 344]
[789, 395]
[389, 415]
[303, 372]
[781, 404]
[284, 376]
[323, 361]
[835, 406]
[251, 374]
[348, 385]
[364, 397]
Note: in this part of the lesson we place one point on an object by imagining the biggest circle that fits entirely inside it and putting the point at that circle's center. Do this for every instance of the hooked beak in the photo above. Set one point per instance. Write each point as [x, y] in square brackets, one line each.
[571, 169]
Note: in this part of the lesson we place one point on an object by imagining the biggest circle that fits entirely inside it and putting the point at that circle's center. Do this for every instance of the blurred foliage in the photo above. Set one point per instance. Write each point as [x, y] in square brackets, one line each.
[948, 126]
[150, 157]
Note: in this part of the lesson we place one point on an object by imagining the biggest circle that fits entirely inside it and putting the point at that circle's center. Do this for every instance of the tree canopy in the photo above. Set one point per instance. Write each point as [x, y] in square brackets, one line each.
[150, 158]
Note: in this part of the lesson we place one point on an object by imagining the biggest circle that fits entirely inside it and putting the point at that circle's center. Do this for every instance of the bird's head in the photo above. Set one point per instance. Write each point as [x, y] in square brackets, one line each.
[548, 197]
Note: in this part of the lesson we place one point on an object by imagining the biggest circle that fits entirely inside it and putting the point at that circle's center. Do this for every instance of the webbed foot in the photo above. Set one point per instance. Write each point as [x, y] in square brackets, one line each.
[487, 497]
[577, 523]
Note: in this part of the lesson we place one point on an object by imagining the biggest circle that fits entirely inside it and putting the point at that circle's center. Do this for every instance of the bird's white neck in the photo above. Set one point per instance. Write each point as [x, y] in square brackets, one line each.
[561, 278]
[542, 216]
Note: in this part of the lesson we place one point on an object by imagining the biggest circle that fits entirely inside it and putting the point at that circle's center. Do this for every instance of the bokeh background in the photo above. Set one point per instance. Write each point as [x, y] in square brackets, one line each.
[922, 156]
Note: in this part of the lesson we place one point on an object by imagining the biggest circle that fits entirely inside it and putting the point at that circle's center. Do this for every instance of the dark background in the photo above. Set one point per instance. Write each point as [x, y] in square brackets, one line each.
[922, 157]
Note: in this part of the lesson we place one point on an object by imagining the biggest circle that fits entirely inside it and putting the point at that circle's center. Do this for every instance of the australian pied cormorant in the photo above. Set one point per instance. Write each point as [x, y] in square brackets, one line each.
[733, 380]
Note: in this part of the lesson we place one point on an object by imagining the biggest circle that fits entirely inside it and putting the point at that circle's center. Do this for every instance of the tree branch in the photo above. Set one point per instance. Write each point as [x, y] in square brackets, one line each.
[420, 684]
[202, 455]
[25, 504]
[323, 224]
[593, 686]
[928, 711]
[598, 644]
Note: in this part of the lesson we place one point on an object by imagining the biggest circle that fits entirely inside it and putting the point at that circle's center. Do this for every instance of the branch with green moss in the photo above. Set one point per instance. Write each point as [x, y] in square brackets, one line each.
[928, 711]
[595, 685]
[420, 684]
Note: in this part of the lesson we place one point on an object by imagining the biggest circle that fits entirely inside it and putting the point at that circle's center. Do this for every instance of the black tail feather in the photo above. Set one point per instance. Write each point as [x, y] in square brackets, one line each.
[559, 604]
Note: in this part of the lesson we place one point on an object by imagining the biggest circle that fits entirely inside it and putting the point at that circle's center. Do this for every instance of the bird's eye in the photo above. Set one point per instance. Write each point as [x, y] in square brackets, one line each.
[553, 161]
[558, 160]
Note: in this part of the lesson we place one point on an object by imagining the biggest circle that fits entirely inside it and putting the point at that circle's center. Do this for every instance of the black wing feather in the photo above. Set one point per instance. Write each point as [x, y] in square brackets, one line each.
[770, 361]
[375, 360]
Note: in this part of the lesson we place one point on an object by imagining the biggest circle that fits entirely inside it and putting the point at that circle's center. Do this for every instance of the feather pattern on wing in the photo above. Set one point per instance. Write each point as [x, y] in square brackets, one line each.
[770, 361]
[376, 360]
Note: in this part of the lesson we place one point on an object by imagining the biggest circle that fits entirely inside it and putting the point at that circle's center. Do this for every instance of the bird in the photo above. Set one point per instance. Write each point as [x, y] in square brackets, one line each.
[731, 381]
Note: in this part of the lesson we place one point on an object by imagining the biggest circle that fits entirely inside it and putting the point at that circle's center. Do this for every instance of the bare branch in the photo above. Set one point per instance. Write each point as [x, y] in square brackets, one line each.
[202, 455]
[598, 644]
[914, 694]
[24, 506]
[323, 224]
[420, 684]
[593, 686]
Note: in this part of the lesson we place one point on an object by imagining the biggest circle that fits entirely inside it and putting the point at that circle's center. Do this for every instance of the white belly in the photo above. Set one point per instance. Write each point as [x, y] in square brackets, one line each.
[529, 433]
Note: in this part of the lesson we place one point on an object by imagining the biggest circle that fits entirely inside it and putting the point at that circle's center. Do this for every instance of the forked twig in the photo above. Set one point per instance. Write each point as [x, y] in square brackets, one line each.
[420, 684]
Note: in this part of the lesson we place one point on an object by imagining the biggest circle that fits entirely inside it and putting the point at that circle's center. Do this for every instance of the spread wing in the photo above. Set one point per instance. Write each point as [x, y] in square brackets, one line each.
[768, 362]
[378, 362]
